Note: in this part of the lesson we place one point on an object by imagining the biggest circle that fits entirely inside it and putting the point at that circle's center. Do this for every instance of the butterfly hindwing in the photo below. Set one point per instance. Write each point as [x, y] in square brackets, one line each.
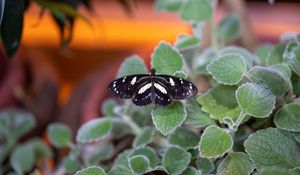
[178, 88]
[162, 95]
[125, 87]
[142, 95]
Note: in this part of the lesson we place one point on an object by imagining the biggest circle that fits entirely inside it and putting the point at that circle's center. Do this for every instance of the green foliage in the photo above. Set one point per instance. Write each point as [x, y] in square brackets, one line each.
[246, 123]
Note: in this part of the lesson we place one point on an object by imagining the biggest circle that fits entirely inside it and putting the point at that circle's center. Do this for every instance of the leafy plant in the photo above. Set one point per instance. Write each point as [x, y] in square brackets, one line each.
[248, 122]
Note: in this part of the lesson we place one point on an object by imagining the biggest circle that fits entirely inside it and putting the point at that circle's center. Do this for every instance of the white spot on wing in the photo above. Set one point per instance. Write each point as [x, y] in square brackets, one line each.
[181, 81]
[144, 88]
[123, 79]
[172, 82]
[133, 81]
[160, 88]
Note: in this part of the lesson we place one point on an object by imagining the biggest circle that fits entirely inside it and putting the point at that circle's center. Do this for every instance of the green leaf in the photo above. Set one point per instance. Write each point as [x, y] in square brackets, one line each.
[12, 25]
[220, 102]
[180, 74]
[291, 56]
[235, 163]
[120, 170]
[214, 142]
[105, 152]
[273, 171]
[184, 138]
[294, 171]
[190, 171]
[168, 5]
[175, 160]
[263, 51]
[122, 158]
[196, 10]
[195, 116]
[22, 159]
[205, 165]
[297, 137]
[94, 130]
[144, 137]
[283, 69]
[229, 28]
[93, 170]
[272, 147]
[248, 57]
[16, 122]
[145, 151]
[255, 100]
[167, 119]
[41, 150]
[132, 65]
[71, 164]
[272, 79]
[59, 135]
[139, 164]
[228, 69]
[108, 107]
[184, 42]
[165, 59]
[288, 118]
[298, 39]
[275, 56]
[202, 60]
[120, 128]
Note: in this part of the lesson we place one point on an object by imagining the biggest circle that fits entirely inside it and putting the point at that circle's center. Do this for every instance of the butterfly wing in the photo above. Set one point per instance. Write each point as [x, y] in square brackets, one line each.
[125, 87]
[178, 88]
[142, 95]
[162, 94]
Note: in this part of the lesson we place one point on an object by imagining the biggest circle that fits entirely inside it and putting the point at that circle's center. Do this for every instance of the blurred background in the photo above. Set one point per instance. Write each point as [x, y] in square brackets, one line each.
[69, 84]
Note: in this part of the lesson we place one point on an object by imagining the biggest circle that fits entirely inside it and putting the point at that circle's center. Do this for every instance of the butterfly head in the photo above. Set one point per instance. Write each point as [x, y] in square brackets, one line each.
[152, 71]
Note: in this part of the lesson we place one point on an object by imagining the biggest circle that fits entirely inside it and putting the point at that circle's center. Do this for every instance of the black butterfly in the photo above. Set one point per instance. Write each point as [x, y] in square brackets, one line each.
[145, 89]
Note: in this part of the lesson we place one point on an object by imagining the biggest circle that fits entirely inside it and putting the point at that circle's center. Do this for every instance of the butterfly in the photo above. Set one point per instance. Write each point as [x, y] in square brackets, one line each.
[145, 89]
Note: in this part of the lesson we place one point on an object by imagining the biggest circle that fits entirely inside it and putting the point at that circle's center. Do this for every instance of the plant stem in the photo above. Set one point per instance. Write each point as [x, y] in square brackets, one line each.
[135, 128]
[240, 119]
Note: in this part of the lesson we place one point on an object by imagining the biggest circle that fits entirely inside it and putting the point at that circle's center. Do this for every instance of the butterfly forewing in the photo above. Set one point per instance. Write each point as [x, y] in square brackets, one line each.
[178, 88]
[125, 87]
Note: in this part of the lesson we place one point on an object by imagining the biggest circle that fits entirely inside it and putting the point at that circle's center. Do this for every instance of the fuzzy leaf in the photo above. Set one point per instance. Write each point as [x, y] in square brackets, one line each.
[145, 151]
[180, 74]
[132, 65]
[59, 135]
[175, 160]
[71, 164]
[190, 171]
[283, 69]
[205, 165]
[273, 171]
[166, 60]
[139, 164]
[248, 57]
[93, 170]
[108, 107]
[272, 147]
[144, 138]
[201, 61]
[122, 158]
[228, 69]
[235, 163]
[294, 171]
[196, 10]
[297, 137]
[214, 142]
[263, 51]
[120, 170]
[41, 150]
[105, 152]
[220, 102]
[22, 159]
[184, 42]
[168, 5]
[288, 118]
[229, 27]
[274, 80]
[275, 56]
[94, 130]
[255, 100]
[291, 56]
[195, 116]
[184, 138]
[167, 119]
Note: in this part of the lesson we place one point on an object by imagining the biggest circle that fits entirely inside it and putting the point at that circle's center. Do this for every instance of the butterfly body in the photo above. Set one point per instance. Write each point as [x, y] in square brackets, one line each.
[145, 89]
